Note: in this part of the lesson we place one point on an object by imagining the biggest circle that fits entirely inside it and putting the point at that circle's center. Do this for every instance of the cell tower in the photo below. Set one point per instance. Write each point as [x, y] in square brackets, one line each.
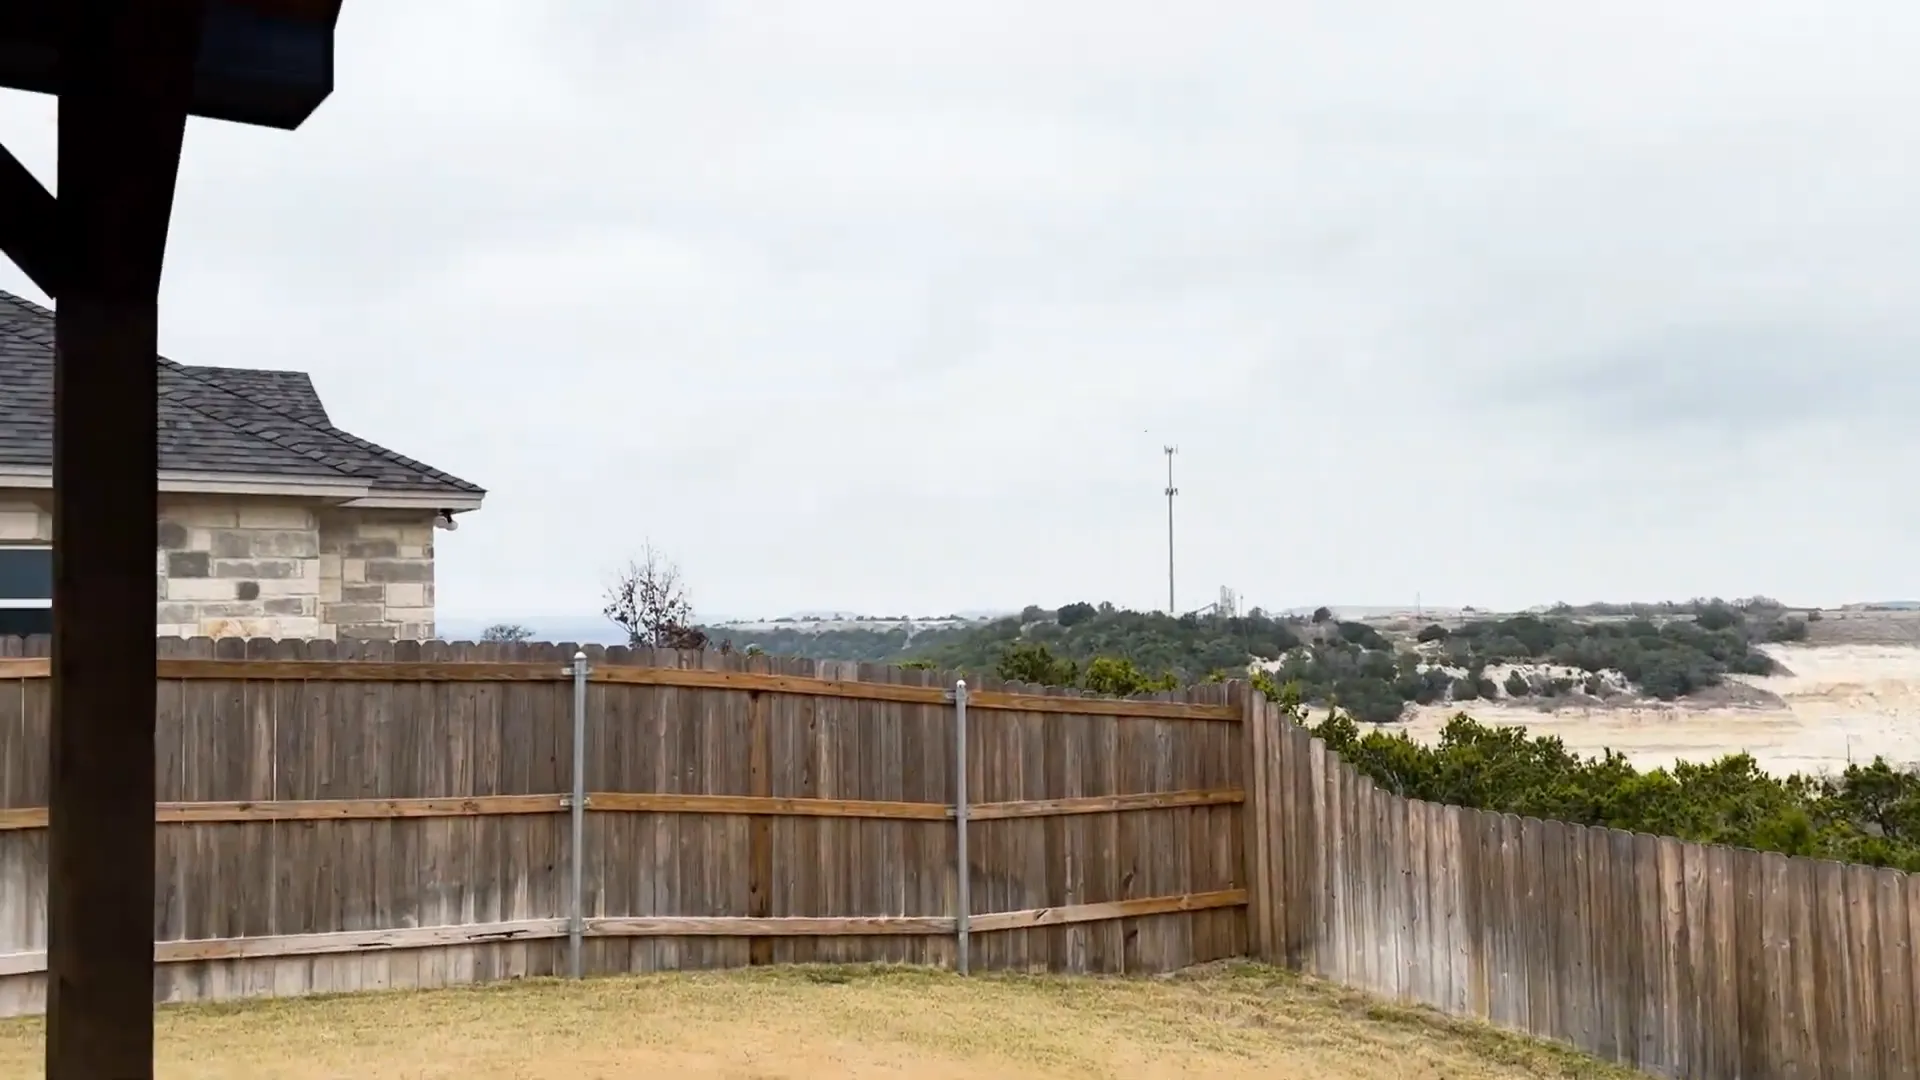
[1171, 492]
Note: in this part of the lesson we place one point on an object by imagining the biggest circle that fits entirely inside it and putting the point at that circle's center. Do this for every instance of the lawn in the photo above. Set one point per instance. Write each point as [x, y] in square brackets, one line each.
[1224, 1023]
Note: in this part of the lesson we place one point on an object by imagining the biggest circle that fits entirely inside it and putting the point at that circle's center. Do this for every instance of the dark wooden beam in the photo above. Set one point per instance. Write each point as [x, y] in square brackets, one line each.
[264, 62]
[126, 80]
[28, 228]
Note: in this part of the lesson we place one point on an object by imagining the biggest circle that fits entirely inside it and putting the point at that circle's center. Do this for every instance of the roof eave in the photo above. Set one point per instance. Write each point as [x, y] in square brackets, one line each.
[448, 502]
[346, 492]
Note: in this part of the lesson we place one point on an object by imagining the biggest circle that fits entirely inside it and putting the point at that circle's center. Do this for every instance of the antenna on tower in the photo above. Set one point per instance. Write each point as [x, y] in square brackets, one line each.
[1171, 492]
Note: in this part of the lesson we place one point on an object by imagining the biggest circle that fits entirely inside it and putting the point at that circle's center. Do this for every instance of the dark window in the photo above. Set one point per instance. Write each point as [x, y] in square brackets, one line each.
[26, 573]
[25, 621]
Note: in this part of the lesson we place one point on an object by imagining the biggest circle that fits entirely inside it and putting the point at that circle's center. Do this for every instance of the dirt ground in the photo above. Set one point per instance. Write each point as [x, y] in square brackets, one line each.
[1841, 703]
[1228, 1023]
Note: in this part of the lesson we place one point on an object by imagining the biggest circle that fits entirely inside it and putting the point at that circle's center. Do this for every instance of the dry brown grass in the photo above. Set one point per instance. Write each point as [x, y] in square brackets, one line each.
[1228, 1022]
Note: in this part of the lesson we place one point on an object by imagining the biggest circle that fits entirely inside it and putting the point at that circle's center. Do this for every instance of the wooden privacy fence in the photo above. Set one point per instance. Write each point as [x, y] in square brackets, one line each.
[338, 818]
[333, 818]
[1685, 960]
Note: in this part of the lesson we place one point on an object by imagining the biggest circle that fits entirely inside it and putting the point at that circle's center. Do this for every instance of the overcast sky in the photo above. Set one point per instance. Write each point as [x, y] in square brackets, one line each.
[891, 306]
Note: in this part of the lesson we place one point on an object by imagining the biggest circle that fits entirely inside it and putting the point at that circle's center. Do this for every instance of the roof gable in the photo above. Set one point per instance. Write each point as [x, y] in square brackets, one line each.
[226, 420]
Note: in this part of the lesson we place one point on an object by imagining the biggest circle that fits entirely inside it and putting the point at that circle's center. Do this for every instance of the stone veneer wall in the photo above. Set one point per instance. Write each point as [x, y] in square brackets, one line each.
[238, 568]
[257, 567]
[376, 573]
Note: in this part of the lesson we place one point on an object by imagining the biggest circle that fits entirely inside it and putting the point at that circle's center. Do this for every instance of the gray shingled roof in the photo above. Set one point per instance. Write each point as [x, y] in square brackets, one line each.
[225, 420]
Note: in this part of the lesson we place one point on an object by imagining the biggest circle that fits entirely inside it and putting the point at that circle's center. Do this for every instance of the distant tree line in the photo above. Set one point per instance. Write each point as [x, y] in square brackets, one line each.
[1371, 677]
[1665, 651]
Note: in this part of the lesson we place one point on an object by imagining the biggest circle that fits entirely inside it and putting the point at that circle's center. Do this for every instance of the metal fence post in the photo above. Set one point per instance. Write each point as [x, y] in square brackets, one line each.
[576, 920]
[963, 899]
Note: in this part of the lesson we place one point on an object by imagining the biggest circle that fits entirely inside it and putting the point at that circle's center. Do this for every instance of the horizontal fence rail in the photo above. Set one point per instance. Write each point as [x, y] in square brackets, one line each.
[419, 937]
[753, 682]
[174, 813]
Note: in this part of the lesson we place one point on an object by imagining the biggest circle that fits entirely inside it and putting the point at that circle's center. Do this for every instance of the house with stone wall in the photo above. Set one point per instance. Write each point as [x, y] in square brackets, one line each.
[273, 522]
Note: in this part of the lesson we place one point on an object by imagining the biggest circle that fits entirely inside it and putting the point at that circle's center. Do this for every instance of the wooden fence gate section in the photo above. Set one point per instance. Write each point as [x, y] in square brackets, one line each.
[335, 818]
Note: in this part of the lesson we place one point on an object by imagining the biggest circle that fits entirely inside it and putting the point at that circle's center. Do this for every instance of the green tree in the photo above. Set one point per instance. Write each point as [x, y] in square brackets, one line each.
[1074, 614]
[1119, 678]
[1034, 663]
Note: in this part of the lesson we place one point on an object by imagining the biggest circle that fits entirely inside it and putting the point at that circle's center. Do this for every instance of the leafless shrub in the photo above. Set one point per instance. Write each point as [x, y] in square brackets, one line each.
[650, 602]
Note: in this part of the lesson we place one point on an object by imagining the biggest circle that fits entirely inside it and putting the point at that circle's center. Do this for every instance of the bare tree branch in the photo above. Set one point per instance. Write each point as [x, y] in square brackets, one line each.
[650, 603]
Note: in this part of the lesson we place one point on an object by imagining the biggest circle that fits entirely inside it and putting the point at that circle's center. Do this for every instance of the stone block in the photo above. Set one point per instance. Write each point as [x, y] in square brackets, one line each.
[416, 631]
[344, 614]
[268, 515]
[290, 605]
[177, 614]
[173, 535]
[260, 626]
[364, 594]
[366, 631]
[256, 568]
[409, 615]
[286, 543]
[230, 543]
[231, 628]
[207, 514]
[247, 590]
[189, 564]
[371, 549]
[412, 551]
[330, 591]
[329, 566]
[263, 543]
[408, 570]
[354, 570]
[199, 589]
[406, 595]
[294, 586]
[22, 524]
[184, 630]
[229, 609]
